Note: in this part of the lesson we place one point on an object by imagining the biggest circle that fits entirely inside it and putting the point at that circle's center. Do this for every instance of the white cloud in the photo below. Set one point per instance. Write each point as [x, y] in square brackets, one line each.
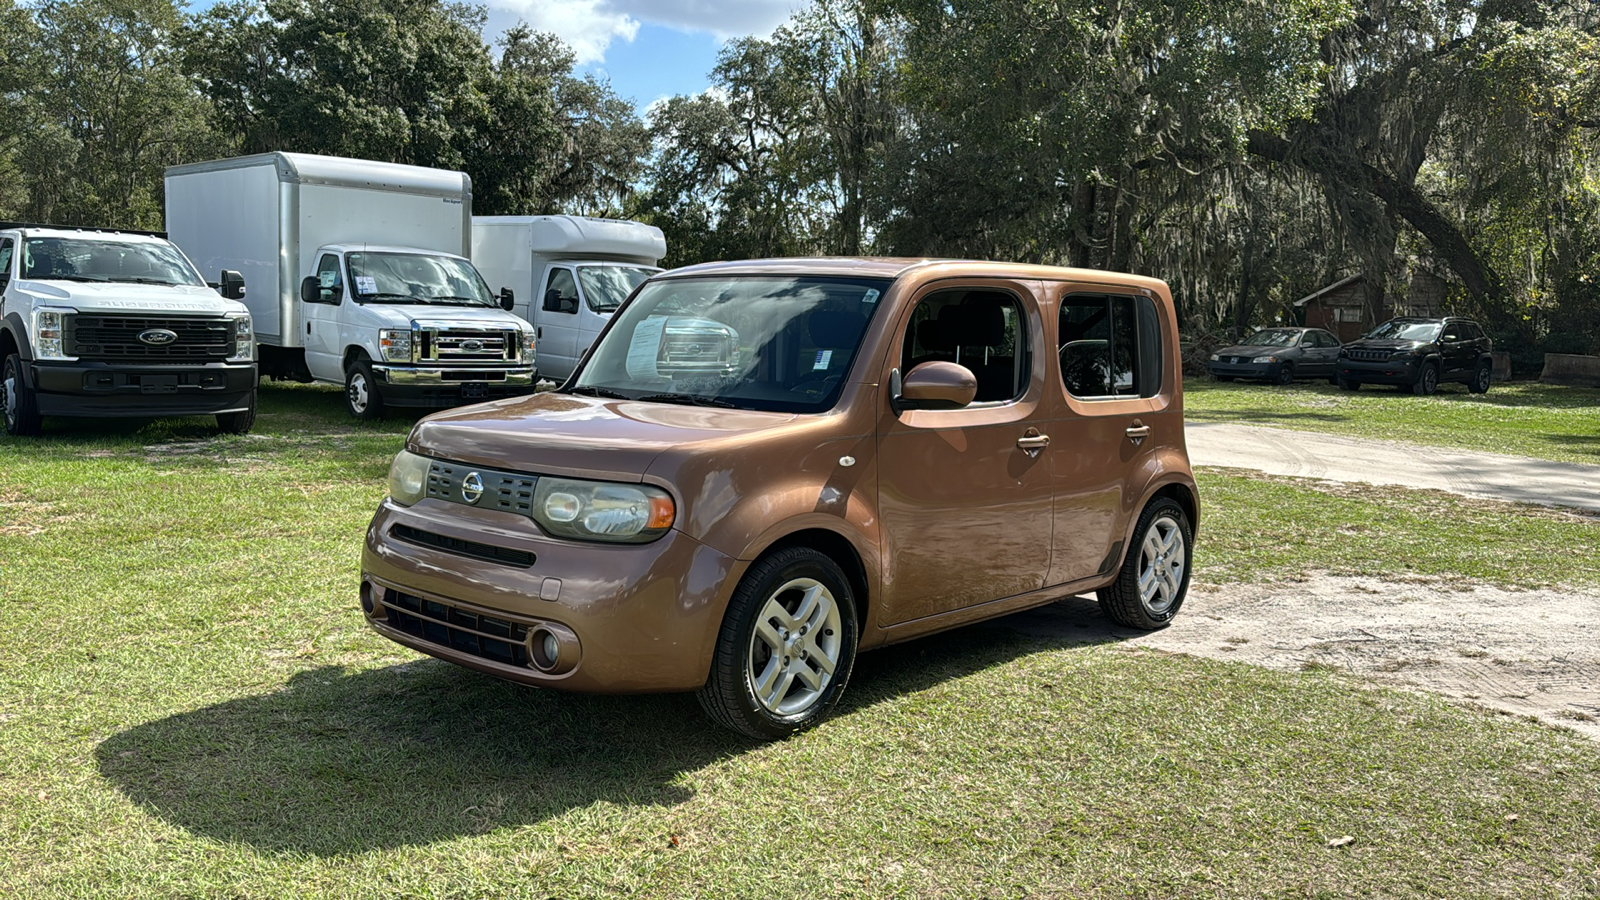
[589, 26]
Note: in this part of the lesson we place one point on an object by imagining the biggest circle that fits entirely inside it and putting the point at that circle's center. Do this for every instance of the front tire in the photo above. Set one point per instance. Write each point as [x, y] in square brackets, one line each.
[17, 400]
[786, 647]
[361, 395]
[1427, 380]
[1285, 374]
[238, 422]
[1480, 379]
[1154, 579]
[1347, 384]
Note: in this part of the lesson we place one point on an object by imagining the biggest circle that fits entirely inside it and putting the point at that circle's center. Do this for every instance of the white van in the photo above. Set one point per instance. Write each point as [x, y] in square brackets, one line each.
[567, 273]
[359, 276]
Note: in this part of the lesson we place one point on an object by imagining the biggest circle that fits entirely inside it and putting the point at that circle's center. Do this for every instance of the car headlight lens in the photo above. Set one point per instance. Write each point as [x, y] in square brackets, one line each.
[529, 339]
[602, 511]
[408, 478]
[1265, 359]
[244, 338]
[50, 333]
[1215, 357]
[1402, 354]
[395, 344]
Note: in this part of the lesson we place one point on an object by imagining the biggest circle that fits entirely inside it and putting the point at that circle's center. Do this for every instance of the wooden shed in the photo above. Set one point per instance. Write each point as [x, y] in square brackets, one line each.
[1340, 307]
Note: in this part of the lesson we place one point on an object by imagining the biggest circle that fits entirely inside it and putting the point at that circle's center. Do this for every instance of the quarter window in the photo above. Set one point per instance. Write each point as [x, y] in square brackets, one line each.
[979, 329]
[1110, 346]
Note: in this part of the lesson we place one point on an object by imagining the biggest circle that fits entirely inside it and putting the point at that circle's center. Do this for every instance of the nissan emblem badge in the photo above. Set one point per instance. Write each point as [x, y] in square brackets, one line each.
[471, 487]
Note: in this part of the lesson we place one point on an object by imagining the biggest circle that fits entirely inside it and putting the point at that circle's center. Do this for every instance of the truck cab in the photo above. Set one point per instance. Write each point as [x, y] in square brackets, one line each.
[567, 273]
[97, 322]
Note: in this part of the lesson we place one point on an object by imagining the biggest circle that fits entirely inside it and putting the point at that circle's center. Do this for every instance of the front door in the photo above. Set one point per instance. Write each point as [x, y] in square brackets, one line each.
[321, 318]
[558, 323]
[965, 494]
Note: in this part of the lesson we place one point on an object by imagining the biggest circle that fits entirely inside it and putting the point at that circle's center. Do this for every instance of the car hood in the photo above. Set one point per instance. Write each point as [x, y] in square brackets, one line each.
[588, 437]
[122, 297]
[397, 315]
[1385, 344]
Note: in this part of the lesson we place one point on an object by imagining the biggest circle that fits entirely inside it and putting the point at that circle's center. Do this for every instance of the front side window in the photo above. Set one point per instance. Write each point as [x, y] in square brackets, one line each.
[979, 329]
[95, 259]
[605, 287]
[775, 342]
[561, 295]
[416, 278]
[330, 286]
[6, 248]
[1110, 346]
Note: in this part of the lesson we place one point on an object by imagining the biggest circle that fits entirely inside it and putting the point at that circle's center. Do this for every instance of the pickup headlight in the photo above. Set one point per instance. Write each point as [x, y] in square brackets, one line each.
[408, 478]
[529, 339]
[244, 338]
[395, 344]
[50, 333]
[602, 511]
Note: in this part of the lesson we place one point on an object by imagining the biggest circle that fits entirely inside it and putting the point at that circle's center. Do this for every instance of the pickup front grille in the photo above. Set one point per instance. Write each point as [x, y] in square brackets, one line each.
[100, 337]
[467, 346]
[448, 625]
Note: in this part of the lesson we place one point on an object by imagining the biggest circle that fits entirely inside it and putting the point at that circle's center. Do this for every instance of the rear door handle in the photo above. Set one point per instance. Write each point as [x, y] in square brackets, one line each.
[1032, 442]
[1137, 432]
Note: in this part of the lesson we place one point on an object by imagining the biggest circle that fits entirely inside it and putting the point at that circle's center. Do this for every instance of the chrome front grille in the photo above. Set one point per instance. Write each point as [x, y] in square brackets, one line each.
[116, 337]
[503, 491]
[467, 346]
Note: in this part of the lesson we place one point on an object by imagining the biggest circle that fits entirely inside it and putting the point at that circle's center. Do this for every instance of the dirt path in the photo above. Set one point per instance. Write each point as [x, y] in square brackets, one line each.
[1532, 653]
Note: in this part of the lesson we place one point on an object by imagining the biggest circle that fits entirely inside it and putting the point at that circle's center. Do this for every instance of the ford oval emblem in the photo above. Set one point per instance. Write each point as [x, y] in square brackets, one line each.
[157, 337]
[471, 487]
[472, 346]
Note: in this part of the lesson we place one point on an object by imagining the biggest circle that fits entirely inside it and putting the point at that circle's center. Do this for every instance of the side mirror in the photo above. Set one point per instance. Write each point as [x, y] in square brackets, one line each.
[310, 289]
[933, 385]
[507, 299]
[232, 285]
[552, 300]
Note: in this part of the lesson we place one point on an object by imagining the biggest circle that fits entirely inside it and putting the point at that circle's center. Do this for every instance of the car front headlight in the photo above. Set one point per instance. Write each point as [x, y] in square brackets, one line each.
[50, 332]
[244, 338]
[1265, 359]
[408, 478]
[395, 344]
[602, 510]
[529, 340]
[1216, 357]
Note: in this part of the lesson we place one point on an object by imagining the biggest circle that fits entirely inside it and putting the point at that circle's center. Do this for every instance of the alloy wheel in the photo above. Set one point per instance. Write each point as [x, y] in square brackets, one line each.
[1161, 565]
[795, 647]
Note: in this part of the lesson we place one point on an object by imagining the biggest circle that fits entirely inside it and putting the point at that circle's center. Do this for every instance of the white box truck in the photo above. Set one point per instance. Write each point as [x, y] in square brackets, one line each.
[358, 275]
[567, 273]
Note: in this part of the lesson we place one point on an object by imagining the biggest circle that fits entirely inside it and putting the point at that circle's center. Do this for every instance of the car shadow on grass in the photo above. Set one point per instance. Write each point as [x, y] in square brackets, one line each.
[341, 762]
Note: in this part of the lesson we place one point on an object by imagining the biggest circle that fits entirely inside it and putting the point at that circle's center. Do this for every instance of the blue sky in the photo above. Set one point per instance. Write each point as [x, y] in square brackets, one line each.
[648, 49]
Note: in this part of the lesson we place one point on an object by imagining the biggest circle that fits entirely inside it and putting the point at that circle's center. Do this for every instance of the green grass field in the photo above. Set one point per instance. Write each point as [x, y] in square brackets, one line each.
[190, 706]
[1520, 418]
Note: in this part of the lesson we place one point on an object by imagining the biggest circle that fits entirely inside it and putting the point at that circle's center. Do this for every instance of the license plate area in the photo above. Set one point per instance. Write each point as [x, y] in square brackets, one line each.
[158, 384]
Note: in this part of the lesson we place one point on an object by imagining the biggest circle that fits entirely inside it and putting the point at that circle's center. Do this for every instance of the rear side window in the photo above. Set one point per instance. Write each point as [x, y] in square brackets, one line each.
[1110, 346]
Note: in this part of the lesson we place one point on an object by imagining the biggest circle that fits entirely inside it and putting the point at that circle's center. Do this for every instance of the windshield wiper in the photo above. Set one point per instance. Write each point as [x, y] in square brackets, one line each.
[139, 279]
[471, 301]
[65, 278]
[393, 298]
[588, 391]
[688, 400]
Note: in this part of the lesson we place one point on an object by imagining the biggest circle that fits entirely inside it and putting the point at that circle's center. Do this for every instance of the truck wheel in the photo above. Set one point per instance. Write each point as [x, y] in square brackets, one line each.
[361, 395]
[21, 406]
[1154, 577]
[786, 648]
[238, 422]
[1481, 378]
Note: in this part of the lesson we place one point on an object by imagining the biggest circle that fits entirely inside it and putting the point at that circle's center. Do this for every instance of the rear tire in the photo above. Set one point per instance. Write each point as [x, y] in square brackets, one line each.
[17, 400]
[1154, 579]
[238, 422]
[1481, 378]
[786, 647]
[361, 394]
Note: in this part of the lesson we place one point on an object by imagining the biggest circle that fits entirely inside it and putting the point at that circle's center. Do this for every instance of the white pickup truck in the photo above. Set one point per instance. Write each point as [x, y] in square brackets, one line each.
[96, 322]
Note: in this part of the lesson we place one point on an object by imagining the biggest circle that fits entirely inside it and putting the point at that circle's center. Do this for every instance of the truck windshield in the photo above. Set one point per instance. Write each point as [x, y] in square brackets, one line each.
[416, 278]
[93, 259]
[780, 343]
[605, 287]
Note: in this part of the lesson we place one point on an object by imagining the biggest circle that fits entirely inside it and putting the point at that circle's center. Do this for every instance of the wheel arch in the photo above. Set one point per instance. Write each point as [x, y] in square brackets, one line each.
[14, 338]
[353, 354]
[838, 548]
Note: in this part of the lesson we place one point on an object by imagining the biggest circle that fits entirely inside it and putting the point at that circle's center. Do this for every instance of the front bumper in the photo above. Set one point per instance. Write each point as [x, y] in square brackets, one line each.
[83, 388]
[1266, 371]
[1394, 371]
[440, 387]
[480, 587]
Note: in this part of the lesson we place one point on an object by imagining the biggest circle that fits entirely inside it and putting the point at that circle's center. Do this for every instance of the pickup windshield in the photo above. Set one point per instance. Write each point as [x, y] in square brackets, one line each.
[1407, 330]
[779, 343]
[384, 277]
[605, 287]
[100, 259]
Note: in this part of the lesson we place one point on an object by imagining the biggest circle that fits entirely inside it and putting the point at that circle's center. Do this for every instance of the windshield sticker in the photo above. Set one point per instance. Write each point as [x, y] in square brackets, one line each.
[366, 284]
[823, 358]
[871, 297]
[646, 347]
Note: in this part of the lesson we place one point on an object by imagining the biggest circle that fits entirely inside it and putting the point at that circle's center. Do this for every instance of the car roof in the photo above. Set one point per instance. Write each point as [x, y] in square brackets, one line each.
[894, 267]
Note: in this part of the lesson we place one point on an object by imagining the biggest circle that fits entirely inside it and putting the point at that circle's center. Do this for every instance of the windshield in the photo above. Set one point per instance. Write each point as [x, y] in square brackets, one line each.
[1406, 330]
[1272, 337]
[605, 287]
[781, 343]
[91, 259]
[417, 278]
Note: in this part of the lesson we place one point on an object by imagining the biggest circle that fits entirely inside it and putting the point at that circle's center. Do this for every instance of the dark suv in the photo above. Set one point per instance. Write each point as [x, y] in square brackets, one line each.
[1418, 353]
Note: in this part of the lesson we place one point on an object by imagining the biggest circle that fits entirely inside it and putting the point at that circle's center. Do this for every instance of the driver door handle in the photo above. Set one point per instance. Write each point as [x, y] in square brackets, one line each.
[1032, 442]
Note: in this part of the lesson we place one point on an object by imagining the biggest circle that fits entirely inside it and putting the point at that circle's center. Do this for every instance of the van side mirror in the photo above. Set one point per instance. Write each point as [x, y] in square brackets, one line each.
[507, 299]
[232, 285]
[552, 300]
[310, 289]
[933, 385]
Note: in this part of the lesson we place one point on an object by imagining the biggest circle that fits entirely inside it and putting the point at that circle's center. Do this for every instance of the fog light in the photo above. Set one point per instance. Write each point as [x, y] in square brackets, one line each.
[552, 649]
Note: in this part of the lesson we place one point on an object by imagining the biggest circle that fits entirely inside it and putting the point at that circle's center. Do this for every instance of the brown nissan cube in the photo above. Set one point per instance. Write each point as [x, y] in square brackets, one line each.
[763, 468]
